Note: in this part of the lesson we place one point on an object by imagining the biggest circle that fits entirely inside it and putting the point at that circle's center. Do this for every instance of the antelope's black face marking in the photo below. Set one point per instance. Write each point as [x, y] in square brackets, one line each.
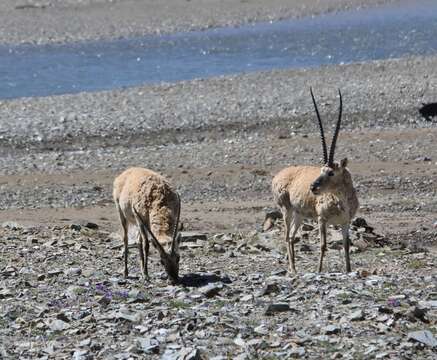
[171, 265]
[330, 176]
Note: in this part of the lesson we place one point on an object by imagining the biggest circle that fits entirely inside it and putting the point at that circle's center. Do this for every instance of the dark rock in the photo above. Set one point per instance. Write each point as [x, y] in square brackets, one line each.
[385, 310]
[211, 290]
[63, 317]
[305, 248]
[270, 289]
[276, 308]
[418, 313]
[359, 222]
[89, 225]
[307, 227]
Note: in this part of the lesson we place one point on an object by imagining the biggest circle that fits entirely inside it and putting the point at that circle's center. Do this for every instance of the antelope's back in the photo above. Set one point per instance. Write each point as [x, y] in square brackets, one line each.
[293, 184]
[152, 196]
[130, 181]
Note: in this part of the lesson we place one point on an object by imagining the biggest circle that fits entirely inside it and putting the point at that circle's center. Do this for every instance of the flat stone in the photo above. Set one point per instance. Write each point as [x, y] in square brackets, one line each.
[297, 353]
[72, 271]
[6, 293]
[245, 298]
[80, 354]
[357, 316]
[423, 336]
[193, 236]
[58, 325]
[53, 273]
[148, 345]
[431, 304]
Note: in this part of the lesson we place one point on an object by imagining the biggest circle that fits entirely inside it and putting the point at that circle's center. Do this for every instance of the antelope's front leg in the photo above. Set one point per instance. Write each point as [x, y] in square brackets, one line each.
[346, 245]
[322, 234]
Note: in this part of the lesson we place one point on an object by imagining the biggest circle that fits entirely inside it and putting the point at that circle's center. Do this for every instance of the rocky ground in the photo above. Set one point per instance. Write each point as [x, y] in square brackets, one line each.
[62, 296]
[48, 21]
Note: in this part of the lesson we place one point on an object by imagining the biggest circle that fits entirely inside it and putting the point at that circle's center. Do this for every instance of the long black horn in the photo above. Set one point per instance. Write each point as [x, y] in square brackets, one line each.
[176, 225]
[337, 130]
[322, 134]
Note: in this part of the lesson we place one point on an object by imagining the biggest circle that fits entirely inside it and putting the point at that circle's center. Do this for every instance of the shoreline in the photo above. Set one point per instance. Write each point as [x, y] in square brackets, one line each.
[211, 105]
[58, 21]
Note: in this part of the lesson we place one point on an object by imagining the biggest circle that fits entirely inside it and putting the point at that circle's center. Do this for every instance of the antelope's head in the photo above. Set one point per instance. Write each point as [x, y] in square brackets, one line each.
[331, 173]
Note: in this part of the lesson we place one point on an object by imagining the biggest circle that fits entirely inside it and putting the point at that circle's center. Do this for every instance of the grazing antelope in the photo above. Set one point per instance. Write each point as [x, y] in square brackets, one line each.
[324, 193]
[147, 199]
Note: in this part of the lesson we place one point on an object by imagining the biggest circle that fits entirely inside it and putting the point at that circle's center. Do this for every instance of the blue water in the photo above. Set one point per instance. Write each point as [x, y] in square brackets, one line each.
[345, 37]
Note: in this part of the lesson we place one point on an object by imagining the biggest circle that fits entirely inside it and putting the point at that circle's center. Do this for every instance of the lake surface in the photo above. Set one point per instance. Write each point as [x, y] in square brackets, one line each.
[344, 37]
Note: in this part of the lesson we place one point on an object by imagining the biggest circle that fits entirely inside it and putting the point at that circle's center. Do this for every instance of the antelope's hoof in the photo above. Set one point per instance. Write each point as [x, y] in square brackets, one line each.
[292, 272]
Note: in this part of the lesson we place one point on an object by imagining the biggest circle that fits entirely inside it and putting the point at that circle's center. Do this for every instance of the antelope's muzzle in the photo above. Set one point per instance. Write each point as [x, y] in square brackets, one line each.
[315, 187]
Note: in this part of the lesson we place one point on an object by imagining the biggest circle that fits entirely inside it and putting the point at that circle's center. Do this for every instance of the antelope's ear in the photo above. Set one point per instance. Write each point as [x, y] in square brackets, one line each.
[343, 163]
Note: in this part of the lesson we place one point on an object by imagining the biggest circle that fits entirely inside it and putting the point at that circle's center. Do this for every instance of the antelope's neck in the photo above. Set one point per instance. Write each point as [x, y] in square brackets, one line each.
[333, 208]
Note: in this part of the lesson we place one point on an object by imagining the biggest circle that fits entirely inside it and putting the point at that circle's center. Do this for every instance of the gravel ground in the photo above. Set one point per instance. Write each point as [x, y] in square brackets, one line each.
[62, 296]
[223, 139]
[47, 21]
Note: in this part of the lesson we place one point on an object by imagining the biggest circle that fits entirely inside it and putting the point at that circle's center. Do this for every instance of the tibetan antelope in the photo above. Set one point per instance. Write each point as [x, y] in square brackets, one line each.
[147, 199]
[325, 193]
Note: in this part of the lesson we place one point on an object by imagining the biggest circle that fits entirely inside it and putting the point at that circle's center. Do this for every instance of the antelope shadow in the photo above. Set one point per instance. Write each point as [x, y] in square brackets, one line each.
[199, 280]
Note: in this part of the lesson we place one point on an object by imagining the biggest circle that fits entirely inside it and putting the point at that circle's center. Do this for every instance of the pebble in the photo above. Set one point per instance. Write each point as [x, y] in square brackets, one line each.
[357, 316]
[331, 330]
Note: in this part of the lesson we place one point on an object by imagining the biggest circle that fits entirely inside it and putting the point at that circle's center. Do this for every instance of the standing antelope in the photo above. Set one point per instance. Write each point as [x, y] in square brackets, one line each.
[324, 193]
[147, 199]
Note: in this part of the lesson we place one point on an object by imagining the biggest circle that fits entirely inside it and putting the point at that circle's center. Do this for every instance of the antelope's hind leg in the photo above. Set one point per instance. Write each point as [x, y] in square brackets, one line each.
[143, 247]
[124, 226]
[292, 223]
